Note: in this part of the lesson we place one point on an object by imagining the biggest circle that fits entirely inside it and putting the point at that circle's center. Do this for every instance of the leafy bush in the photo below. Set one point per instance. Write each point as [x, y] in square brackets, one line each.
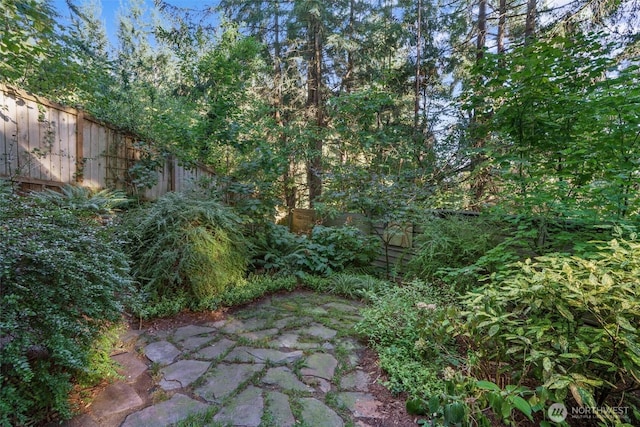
[185, 249]
[453, 242]
[570, 323]
[392, 323]
[63, 280]
[345, 284]
[344, 246]
[254, 288]
[83, 199]
[466, 251]
[327, 250]
[277, 250]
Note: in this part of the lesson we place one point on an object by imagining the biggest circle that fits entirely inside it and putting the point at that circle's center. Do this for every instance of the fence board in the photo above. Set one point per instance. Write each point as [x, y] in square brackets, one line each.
[55, 155]
[22, 136]
[4, 156]
[28, 132]
[11, 128]
[67, 146]
[43, 143]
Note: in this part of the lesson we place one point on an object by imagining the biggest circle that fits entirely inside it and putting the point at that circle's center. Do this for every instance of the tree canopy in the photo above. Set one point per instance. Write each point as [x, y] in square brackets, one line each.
[350, 105]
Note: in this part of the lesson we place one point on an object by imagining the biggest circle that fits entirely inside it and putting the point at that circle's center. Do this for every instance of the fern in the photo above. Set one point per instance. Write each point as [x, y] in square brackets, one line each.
[84, 199]
[182, 245]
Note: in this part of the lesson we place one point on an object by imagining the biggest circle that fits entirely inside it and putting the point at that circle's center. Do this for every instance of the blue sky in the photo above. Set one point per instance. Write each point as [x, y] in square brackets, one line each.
[110, 9]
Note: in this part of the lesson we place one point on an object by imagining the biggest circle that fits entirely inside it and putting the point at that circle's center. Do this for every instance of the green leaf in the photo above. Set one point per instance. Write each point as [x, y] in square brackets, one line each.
[487, 385]
[625, 324]
[564, 312]
[522, 405]
[493, 330]
[454, 413]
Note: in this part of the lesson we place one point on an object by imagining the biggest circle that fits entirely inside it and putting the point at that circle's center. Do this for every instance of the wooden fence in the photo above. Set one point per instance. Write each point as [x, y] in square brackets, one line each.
[45, 144]
[397, 239]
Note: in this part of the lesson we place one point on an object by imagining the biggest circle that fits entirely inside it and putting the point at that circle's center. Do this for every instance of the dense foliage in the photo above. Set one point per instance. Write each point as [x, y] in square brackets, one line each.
[185, 248]
[447, 248]
[568, 322]
[539, 326]
[324, 251]
[388, 109]
[63, 282]
[398, 321]
[355, 104]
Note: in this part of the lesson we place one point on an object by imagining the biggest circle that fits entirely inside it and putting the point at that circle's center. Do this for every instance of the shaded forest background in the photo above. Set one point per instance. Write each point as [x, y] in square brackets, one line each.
[374, 107]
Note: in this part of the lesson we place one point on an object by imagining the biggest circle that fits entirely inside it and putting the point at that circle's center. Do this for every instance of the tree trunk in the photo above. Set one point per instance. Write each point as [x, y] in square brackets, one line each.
[530, 24]
[479, 177]
[482, 29]
[314, 104]
[288, 177]
[502, 25]
[416, 101]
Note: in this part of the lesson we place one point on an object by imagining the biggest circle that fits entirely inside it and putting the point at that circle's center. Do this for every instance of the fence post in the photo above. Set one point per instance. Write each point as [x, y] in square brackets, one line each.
[172, 172]
[79, 146]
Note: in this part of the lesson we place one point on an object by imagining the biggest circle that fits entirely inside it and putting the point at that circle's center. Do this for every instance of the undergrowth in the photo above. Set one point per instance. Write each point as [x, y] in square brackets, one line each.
[185, 250]
[63, 283]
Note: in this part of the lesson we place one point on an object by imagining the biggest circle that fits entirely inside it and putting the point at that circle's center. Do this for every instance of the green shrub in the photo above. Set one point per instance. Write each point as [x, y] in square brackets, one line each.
[63, 280]
[569, 323]
[277, 250]
[393, 320]
[345, 284]
[344, 246]
[92, 201]
[254, 288]
[327, 250]
[452, 243]
[184, 248]
[465, 251]
[246, 291]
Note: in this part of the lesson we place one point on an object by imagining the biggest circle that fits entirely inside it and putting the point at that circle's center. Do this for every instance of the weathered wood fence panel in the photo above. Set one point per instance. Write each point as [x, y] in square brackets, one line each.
[45, 144]
[37, 139]
[397, 245]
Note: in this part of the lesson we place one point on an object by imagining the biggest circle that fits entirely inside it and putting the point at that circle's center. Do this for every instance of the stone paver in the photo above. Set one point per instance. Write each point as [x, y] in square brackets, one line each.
[182, 373]
[262, 355]
[320, 365]
[162, 352]
[215, 350]
[165, 413]
[284, 373]
[279, 409]
[131, 367]
[290, 340]
[360, 404]
[245, 410]
[320, 331]
[260, 335]
[346, 308]
[285, 379]
[193, 343]
[317, 414]
[355, 381]
[226, 379]
[185, 332]
[118, 397]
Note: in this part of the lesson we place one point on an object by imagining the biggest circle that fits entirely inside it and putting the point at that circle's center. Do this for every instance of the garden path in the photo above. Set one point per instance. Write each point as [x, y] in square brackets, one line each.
[289, 359]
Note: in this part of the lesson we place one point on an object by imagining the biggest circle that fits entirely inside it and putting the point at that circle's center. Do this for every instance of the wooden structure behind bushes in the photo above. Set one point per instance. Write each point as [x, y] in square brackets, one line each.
[400, 240]
[45, 144]
[397, 238]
